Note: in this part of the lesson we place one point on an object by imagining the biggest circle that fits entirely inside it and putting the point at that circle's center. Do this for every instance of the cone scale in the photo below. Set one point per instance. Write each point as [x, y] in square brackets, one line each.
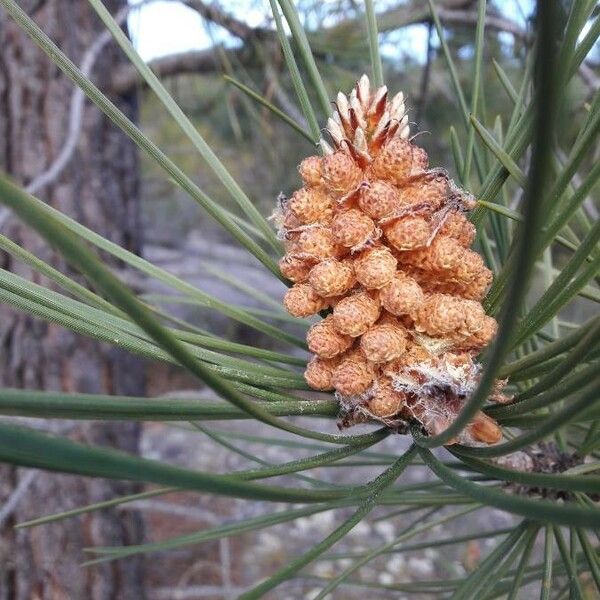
[382, 241]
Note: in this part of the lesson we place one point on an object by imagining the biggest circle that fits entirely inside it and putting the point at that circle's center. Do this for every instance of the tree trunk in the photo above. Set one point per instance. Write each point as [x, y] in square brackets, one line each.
[99, 187]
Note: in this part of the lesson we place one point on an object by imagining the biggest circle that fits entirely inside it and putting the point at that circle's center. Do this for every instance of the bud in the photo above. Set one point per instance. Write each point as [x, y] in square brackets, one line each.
[340, 173]
[415, 355]
[440, 315]
[325, 341]
[444, 254]
[302, 301]
[420, 160]
[375, 268]
[402, 296]
[383, 343]
[485, 429]
[378, 199]
[295, 268]
[474, 317]
[483, 336]
[332, 277]
[317, 242]
[354, 314]
[352, 228]
[310, 205]
[290, 220]
[429, 192]
[311, 171]
[319, 373]
[395, 161]
[408, 233]
[470, 268]
[353, 375]
[458, 227]
[386, 402]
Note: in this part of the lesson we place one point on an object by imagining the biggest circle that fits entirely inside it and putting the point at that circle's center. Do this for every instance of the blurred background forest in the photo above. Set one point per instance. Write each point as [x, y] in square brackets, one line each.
[261, 151]
[66, 153]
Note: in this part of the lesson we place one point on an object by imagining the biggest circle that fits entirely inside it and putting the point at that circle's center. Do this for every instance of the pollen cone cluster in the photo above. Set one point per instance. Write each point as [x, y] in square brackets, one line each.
[379, 244]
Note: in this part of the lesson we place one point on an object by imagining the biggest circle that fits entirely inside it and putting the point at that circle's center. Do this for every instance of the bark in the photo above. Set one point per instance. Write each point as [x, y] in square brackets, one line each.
[99, 187]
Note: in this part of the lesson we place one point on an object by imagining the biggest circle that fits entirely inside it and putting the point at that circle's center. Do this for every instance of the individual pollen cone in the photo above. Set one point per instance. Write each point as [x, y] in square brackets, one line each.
[375, 268]
[472, 290]
[396, 162]
[340, 173]
[444, 254]
[319, 373]
[408, 232]
[332, 277]
[385, 402]
[302, 301]
[378, 199]
[317, 242]
[384, 241]
[428, 193]
[355, 314]
[352, 228]
[402, 296]
[457, 226]
[309, 205]
[354, 375]
[440, 315]
[485, 429]
[483, 336]
[326, 341]
[295, 268]
[383, 343]
[311, 171]
[471, 268]
[475, 318]
[478, 287]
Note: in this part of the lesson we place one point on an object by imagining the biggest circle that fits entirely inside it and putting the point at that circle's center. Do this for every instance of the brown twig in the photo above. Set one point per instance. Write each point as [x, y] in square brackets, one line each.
[412, 13]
